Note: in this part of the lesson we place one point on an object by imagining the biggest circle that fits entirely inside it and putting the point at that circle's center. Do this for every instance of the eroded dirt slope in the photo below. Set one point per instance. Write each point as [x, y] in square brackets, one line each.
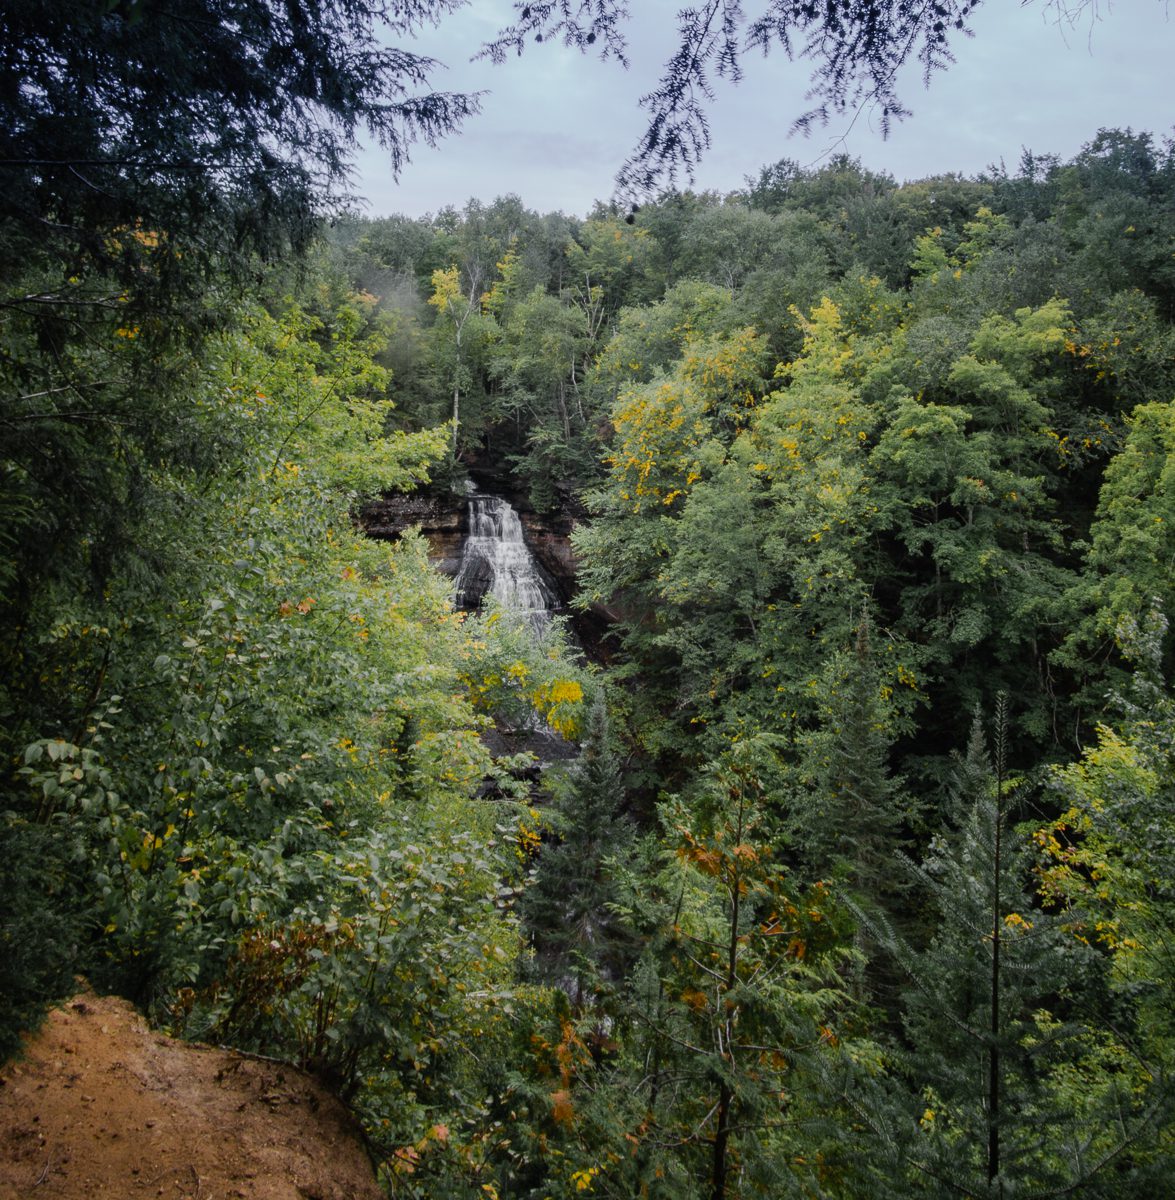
[100, 1106]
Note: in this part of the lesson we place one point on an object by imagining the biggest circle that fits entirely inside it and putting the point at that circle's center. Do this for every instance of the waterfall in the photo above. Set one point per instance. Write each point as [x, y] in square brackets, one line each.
[496, 561]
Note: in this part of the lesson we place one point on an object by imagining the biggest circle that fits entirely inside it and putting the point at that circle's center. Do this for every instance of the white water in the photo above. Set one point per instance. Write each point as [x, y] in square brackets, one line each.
[495, 561]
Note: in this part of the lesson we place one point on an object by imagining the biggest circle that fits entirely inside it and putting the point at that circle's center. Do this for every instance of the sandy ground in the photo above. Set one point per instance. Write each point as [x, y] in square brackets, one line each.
[100, 1106]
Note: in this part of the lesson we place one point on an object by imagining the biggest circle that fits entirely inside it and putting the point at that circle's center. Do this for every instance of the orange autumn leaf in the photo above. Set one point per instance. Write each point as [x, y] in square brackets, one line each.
[562, 1110]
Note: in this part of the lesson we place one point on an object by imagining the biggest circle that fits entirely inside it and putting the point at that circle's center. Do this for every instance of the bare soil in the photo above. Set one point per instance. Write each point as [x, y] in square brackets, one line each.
[99, 1105]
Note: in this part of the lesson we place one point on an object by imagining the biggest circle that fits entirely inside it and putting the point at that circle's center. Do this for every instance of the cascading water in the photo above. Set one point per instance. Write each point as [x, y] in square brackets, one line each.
[496, 561]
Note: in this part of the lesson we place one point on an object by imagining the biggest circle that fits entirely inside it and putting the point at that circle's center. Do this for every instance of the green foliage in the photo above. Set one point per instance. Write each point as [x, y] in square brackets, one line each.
[1005, 1087]
[858, 458]
[736, 999]
[523, 678]
[925, 467]
[854, 832]
[1131, 536]
[652, 337]
[41, 926]
[235, 661]
[1109, 852]
[132, 131]
[461, 335]
[569, 908]
[365, 980]
[538, 363]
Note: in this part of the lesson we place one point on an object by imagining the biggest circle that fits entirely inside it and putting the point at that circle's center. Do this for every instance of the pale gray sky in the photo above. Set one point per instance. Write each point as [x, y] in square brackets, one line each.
[555, 125]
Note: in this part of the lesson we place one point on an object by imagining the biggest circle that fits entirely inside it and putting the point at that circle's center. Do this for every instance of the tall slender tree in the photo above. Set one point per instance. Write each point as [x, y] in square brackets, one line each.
[1002, 1087]
[569, 908]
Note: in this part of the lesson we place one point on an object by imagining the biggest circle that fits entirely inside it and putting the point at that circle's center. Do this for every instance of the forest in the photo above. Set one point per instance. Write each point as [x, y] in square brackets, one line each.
[861, 880]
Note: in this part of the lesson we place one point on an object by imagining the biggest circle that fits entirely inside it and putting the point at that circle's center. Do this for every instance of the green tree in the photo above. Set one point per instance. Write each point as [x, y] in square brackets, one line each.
[222, 126]
[1004, 1087]
[965, 486]
[737, 999]
[246, 778]
[606, 264]
[461, 333]
[1130, 542]
[537, 364]
[150, 158]
[646, 338]
[854, 830]
[569, 908]
[1108, 867]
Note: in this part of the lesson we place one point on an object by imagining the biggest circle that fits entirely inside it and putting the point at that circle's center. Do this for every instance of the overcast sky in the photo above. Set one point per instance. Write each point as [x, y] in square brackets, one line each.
[555, 126]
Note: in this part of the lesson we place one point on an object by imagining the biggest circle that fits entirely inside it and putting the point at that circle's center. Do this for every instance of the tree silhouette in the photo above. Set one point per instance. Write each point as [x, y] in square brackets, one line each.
[227, 121]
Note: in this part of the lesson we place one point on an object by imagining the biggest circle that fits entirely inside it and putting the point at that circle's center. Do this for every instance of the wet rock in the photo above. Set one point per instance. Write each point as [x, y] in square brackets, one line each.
[440, 520]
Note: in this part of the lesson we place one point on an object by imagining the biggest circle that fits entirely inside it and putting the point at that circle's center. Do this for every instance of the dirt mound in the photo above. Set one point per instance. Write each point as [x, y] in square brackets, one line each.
[100, 1106]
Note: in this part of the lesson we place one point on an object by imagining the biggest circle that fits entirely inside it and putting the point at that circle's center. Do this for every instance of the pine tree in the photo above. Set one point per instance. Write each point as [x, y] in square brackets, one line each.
[578, 941]
[854, 833]
[736, 1000]
[856, 828]
[1001, 1090]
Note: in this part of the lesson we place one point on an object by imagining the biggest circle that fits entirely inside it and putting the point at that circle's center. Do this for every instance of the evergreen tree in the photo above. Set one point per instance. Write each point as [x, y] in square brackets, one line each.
[1003, 1089]
[579, 942]
[223, 125]
[854, 832]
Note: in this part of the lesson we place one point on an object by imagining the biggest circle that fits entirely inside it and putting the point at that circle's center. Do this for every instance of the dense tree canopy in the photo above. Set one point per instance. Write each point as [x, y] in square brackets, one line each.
[861, 885]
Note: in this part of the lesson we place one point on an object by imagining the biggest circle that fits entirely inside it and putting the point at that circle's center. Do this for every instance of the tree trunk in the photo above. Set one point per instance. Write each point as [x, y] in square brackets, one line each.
[718, 1168]
[993, 1064]
[721, 1138]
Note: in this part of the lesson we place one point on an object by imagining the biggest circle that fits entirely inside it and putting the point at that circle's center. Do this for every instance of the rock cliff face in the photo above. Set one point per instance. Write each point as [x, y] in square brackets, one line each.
[439, 518]
[549, 539]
